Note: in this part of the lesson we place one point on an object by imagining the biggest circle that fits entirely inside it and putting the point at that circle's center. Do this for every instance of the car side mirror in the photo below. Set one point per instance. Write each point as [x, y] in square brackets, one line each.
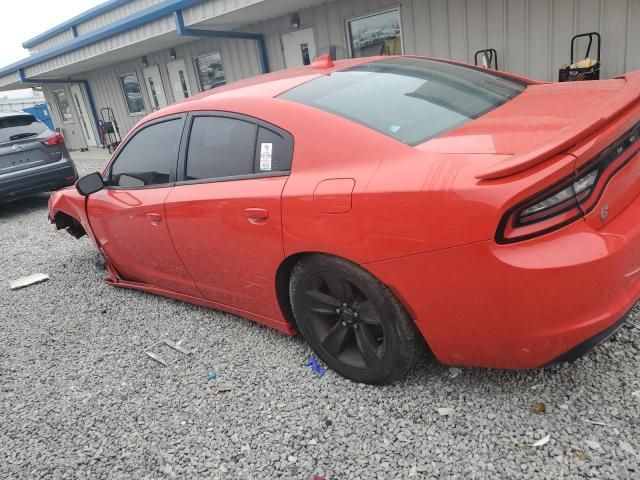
[89, 184]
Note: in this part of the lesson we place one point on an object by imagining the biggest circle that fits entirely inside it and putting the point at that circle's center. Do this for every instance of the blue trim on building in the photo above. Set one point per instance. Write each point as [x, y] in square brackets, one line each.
[137, 19]
[198, 32]
[87, 88]
[71, 23]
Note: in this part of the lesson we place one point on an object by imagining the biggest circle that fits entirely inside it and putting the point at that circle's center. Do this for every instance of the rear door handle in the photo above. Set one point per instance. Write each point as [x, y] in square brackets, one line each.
[154, 218]
[256, 215]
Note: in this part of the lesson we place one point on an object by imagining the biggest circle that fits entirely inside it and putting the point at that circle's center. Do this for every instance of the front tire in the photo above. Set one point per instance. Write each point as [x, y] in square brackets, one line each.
[352, 321]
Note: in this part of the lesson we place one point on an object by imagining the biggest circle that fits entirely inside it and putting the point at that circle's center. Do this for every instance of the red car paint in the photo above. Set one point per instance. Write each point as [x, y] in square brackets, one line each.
[422, 219]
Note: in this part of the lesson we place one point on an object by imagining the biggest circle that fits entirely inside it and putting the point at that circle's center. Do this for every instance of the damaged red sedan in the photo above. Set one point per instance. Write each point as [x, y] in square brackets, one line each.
[382, 205]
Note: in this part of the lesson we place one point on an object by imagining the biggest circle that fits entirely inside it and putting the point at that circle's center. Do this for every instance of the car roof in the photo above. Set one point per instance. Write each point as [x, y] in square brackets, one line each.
[12, 114]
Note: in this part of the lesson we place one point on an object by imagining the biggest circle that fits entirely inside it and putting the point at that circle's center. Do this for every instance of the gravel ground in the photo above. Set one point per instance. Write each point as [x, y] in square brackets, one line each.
[78, 398]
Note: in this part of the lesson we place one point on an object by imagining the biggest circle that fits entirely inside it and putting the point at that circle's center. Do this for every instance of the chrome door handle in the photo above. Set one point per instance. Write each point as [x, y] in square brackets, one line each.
[256, 215]
[154, 218]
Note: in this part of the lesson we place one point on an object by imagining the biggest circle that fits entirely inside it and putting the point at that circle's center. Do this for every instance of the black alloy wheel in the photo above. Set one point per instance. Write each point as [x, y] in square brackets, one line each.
[352, 321]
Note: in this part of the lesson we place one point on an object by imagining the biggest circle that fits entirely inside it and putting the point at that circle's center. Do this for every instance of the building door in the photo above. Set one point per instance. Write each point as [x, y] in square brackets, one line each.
[153, 82]
[178, 79]
[86, 123]
[298, 47]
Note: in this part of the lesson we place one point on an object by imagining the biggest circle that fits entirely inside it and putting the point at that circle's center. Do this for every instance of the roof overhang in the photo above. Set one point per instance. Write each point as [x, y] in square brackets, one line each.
[40, 67]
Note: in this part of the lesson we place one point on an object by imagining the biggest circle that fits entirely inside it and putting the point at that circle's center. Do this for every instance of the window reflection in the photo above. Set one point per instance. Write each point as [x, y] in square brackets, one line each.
[378, 34]
[210, 70]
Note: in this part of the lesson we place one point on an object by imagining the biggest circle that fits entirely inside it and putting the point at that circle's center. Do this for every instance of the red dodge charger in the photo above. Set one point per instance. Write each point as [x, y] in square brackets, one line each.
[382, 205]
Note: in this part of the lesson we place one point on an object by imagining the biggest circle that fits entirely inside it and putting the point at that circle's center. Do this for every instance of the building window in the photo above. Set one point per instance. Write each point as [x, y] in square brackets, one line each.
[64, 107]
[377, 34]
[132, 93]
[209, 70]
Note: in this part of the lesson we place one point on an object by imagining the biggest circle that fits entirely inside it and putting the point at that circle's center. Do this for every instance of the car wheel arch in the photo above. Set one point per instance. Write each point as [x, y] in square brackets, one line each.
[283, 278]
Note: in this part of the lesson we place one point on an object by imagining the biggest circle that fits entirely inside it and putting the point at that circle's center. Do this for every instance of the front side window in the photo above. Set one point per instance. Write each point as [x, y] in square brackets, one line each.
[64, 107]
[409, 99]
[210, 70]
[221, 147]
[148, 158]
[132, 93]
[16, 127]
[377, 34]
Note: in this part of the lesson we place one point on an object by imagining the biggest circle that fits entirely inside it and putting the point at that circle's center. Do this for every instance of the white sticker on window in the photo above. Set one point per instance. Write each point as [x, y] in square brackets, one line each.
[266, 152]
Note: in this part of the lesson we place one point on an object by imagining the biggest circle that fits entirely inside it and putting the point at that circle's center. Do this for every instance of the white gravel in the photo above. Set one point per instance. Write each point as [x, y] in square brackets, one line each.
[79, 399]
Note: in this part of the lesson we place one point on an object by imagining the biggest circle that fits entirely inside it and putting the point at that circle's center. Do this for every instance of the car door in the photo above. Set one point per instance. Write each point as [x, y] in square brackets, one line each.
[224, 212]
[128, 218]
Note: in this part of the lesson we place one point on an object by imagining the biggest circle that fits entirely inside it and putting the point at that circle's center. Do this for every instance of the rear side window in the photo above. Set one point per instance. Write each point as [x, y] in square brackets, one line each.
[222, 147]
[409, 99]
[17, 127]
[148, 158]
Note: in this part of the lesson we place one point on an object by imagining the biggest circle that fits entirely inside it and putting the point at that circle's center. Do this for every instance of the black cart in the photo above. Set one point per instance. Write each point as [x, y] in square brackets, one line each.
[490, 57]
[591, 72]
[109, 131]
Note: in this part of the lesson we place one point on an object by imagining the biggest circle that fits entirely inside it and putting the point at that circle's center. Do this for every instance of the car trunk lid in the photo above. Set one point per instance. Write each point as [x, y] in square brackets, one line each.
[540, 123]
[21, 144]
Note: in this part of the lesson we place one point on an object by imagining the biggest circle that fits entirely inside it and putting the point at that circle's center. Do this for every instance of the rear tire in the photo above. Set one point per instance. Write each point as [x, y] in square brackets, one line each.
[352, 321]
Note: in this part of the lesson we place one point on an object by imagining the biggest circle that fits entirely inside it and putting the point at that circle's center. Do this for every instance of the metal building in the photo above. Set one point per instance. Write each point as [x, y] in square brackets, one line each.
[135, 56]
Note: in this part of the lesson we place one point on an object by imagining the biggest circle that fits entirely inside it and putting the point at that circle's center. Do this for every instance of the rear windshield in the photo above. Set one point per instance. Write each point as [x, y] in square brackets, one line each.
[409, 99]
[17, 127]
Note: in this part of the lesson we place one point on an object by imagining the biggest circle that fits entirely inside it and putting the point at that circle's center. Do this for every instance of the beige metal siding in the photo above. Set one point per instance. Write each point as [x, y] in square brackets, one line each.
[54, 41]
[72, 132]
[114, 15]
[239, 57]
[12, 78]
[120, 41]
[532, 37]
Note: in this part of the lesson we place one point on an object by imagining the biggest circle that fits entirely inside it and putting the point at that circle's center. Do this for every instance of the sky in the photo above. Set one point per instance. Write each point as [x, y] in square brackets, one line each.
[22, 20]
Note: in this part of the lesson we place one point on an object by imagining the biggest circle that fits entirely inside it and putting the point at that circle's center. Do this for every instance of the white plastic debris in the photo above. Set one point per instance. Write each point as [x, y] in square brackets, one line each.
[27, 281]
[595, 422]
[636, 393]
[543, 441]
[592, 444]
[627, 448]
[445, 411]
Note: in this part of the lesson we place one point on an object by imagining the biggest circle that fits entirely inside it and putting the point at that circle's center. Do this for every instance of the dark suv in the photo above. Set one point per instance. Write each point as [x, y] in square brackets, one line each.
[33, 159]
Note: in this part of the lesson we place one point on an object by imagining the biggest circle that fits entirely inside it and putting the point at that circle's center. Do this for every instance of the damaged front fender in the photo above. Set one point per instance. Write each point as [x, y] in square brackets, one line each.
[66, 210]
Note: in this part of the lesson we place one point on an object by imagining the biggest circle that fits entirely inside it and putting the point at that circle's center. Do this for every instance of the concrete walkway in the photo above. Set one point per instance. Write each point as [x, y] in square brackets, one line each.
[91, 154]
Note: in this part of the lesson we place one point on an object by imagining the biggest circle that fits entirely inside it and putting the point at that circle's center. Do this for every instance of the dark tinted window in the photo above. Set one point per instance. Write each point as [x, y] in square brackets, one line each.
[273, 152]
[411, 100]
[220, 147]
[17, 127]
[149, 157]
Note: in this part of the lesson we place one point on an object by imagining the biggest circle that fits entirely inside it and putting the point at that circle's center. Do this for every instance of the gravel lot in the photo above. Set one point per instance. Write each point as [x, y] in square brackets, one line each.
[78, 398]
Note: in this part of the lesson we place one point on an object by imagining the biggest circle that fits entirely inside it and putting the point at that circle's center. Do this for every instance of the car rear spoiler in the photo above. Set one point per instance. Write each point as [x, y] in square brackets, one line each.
[568, 136]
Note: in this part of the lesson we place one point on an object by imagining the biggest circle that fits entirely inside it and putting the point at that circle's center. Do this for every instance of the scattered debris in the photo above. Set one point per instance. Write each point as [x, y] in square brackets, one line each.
[319, 477]
[157, 358]
[536, 387]
[539, 408]
[627, 447]
[176, 346]
[27, 281]
[542, 441]
[314, 366]
[592, 444]
[445, 411]
[594, 422]
[213, 374]
[413, 472]
[454, 372]
[224, 387]
[636, 394]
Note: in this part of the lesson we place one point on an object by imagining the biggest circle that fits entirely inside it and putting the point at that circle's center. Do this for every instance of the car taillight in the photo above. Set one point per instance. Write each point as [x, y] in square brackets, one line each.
[55, 139]
[569, 199]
